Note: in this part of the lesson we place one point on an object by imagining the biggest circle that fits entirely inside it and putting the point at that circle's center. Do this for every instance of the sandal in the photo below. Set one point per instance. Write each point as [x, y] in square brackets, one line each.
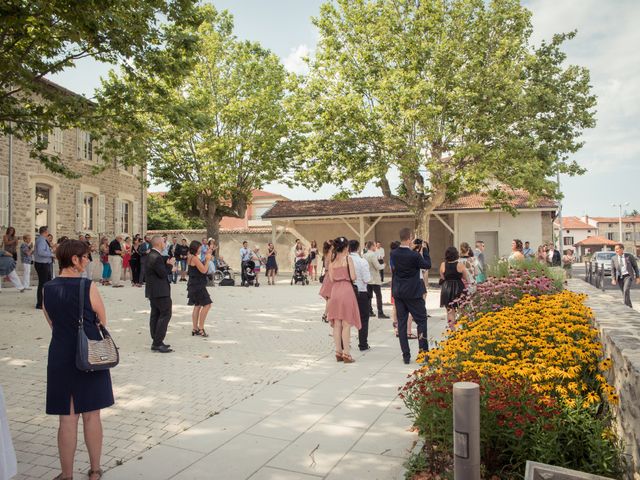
[346, 358]
[338, 357]
[60, 477]
[202, 333]
[412, 336]
[324, 318]
[98, 472]
[195, 332]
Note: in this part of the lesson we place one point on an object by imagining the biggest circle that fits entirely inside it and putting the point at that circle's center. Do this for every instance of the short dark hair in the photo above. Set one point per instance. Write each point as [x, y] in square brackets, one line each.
[244, 242]
[451, 254]
[43, 229]
[395, 244]
[354, 245]
[68, 249]
[339, 244]
[405, 234]
[621, 245]
[368, 245]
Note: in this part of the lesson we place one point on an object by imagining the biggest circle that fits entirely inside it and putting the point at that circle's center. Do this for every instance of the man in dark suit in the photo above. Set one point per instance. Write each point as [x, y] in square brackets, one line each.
[158, 291]
[624, 270]
[407, 288]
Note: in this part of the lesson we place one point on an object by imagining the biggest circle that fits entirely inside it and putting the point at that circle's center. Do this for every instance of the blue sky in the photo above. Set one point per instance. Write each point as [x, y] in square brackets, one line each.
[607, 44]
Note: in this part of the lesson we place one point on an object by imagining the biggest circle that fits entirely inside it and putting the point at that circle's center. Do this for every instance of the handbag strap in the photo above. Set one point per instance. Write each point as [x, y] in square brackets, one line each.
[81, 317]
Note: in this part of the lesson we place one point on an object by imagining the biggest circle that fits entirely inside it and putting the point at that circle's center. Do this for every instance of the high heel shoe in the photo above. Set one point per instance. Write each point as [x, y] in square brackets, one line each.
[338, 357]
[195, 332]
[202, 333]
[346, 358]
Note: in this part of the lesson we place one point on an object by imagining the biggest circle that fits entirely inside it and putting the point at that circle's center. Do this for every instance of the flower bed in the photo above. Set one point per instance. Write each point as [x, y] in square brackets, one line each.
[544, 396]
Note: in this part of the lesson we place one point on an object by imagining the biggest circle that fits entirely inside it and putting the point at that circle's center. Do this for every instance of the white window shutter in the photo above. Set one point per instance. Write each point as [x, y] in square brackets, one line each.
[118, 216]
[79, 210]
[137, 228]
[102, 224]
[80, 142]
[4, 201]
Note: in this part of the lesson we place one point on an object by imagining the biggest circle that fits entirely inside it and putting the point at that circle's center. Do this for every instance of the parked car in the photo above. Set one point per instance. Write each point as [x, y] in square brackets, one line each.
[603, 260]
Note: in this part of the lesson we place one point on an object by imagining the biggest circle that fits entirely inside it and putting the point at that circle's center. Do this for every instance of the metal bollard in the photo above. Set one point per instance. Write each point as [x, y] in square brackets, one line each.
[466, 431]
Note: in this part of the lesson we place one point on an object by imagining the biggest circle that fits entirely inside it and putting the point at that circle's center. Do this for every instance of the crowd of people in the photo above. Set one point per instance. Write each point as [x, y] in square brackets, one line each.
[350, 278]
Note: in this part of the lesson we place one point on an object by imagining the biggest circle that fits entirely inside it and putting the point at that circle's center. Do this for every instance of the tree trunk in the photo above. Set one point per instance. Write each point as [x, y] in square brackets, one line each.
[213, 228]
[423, 211]
[209, 213]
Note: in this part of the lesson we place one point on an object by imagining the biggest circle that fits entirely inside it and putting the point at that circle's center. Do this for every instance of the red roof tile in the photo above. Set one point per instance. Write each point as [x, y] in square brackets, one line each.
[595, 241]
[634, 219]
[373, 205]
[574, 223]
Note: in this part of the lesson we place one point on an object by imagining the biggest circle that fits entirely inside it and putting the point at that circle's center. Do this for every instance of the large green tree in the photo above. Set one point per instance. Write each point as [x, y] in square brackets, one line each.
[448, 94]
[42, 37]
[217, 133]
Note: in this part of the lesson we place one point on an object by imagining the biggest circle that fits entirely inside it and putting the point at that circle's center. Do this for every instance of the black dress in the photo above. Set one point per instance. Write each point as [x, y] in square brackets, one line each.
[89, 390]
[197, 293]
[453, 286]
[271, 260]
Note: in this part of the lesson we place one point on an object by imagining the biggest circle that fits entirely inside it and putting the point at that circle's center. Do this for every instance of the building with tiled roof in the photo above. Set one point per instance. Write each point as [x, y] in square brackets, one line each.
[379, 218]
[611, 227]
[574, 231]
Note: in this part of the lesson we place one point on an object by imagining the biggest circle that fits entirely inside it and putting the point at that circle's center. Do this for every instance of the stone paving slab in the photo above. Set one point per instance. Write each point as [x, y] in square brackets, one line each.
[260, 340]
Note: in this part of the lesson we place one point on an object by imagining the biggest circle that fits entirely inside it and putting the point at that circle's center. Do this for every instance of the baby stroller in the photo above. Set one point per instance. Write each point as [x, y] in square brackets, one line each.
[301, 271]
[224, 276]
[248, 275]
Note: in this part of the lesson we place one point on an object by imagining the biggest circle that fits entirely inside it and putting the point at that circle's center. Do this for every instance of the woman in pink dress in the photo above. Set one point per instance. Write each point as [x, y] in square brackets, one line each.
[325, 289]
[342, 307]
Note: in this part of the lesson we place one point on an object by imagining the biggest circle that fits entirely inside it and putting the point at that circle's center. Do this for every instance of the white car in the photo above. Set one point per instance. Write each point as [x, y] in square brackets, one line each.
[603, 260]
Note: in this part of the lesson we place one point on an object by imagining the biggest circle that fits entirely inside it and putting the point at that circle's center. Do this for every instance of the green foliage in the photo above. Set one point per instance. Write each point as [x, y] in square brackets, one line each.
[534, 269]
[450, 93]
[213, 134]
[42, 37]
[162, 214]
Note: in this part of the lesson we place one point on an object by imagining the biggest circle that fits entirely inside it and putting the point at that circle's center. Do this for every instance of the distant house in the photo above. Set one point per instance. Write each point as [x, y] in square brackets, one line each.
[381, 218]
[593, 244]
[574, 230]
[609, 228]
[260, 203]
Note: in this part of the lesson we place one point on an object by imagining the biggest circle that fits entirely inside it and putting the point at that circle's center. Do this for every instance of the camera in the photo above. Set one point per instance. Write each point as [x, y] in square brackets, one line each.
[417, 244]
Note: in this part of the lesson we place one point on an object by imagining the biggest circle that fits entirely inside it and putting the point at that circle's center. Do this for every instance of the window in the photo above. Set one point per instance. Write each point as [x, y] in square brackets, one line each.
[627, 225]
[43, 205]
[610, 235]
[611, 225]
[85, 146]
[567, 240]
[123, 216]
[628, 236]
[257, 212]
[588, 231]
[88, 212]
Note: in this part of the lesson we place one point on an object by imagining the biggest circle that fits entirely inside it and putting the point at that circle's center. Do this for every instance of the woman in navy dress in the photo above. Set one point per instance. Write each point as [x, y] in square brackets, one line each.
[272, 265]
[71, 392]
[197, 294]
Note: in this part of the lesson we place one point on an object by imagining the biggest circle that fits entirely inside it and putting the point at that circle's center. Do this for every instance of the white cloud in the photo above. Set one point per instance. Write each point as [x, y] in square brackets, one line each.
[294, 62]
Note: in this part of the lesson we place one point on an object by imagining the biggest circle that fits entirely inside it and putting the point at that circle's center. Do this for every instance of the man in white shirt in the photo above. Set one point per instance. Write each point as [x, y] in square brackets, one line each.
[362, 278]
[375, 267]
[624, 271]
[380, 253]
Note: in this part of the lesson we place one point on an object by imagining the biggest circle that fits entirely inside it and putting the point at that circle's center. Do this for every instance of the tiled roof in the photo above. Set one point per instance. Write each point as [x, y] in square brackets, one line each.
[595, 241]
[574, 223]
[203, 232]
[373, 205]
[634, 219]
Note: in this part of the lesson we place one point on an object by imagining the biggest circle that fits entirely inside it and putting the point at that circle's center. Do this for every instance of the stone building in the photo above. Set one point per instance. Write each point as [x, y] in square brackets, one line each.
[609, 228]
[113, 201]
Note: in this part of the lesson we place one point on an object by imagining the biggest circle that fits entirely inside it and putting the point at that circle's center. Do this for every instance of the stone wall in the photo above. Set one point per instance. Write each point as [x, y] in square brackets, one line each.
[619, 328]
[112, 183]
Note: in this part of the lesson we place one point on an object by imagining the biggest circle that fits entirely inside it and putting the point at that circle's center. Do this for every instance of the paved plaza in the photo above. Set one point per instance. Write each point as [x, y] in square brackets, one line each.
[261, 398]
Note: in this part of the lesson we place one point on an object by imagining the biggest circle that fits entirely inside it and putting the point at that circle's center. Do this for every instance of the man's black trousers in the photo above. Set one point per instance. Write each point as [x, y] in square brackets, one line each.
[159, 319]
[418, 310]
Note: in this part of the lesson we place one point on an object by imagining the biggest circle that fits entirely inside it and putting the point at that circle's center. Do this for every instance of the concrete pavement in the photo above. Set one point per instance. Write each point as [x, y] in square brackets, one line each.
[253, 400]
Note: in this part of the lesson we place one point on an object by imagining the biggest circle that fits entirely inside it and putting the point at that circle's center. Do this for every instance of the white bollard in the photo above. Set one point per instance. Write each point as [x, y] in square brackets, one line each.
[466, 431]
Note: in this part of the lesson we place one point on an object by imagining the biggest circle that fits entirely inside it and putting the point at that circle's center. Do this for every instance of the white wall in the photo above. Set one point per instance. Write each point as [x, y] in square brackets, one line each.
[527, 226]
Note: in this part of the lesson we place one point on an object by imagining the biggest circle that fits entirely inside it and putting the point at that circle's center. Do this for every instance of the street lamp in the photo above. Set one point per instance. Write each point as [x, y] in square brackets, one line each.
[620, 205]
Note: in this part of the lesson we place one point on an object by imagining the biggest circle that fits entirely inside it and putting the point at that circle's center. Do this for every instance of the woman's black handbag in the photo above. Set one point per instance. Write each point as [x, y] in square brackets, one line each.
[92, 355]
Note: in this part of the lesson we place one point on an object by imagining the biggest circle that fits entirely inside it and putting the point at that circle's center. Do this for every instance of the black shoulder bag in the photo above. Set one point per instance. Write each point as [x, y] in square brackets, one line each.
[92, 355]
